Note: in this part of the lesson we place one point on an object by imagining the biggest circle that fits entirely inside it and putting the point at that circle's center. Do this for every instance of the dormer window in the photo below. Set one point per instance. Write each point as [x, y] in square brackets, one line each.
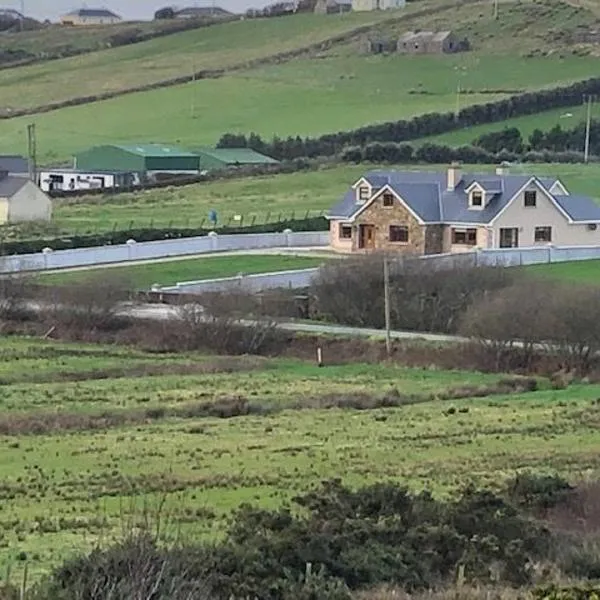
[364, 193]
[476, 199]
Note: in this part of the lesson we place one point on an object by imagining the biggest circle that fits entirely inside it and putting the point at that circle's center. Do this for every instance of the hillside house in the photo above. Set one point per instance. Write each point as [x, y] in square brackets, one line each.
[431, 42]
[328, 7]
[202, 12]
[90, 16]
[22, 200]
[365, 5]
[432, 213]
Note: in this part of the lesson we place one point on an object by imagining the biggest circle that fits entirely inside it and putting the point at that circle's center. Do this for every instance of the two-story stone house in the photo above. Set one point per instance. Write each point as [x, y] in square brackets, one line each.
[430, 213]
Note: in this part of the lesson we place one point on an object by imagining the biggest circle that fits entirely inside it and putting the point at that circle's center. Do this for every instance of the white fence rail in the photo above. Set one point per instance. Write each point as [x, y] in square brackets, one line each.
[514, 257]
[251, 283]
[133, 251]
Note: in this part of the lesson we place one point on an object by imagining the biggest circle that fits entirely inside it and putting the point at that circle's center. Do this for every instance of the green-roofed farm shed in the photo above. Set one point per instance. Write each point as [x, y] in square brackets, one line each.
[137, 158]
[221, 158]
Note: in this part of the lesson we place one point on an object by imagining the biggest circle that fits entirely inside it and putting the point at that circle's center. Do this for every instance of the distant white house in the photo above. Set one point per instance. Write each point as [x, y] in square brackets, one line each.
[71, 180]
[90, 16]
[365, 5]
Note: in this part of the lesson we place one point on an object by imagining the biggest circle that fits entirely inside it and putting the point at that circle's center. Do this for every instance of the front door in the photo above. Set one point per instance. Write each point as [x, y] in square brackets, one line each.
[509, 237]
[366, 237]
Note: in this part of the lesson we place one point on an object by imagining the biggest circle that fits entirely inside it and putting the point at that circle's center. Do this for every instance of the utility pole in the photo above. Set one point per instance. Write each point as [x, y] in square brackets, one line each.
[457, 111]
[32, 152]
[386, 300]
[496, 10]
[586, 149]
[193, 102]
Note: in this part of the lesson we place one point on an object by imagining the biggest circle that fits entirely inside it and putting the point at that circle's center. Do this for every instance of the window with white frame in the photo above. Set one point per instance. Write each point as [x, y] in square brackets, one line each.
[364, 192]
[477, 199]
[464, 237]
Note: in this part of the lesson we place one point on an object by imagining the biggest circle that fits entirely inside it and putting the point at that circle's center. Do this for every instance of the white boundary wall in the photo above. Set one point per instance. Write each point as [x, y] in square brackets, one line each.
[134, 251]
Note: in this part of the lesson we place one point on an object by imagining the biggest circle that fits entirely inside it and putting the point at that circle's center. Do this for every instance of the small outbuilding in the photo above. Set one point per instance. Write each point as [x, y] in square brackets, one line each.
[431, 42]
[222, 158]
[146, 160]
[22, 200]
[381, 45]
[328, 7]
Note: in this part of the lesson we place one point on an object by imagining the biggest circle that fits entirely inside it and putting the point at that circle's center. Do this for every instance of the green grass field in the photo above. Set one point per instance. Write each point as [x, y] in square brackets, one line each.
[265, 198]
[343, 93]
[93, 438]
[567, 118]
[170, 56]
[586, 271]
[170, 272]
[54, 39]
[344, 87]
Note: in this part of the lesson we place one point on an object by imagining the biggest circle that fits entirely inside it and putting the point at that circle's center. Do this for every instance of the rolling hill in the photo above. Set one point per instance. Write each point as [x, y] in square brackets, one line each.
[334, 88]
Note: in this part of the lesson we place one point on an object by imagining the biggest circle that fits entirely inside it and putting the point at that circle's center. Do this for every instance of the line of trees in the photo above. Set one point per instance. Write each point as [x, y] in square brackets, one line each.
[390, 152]
[557, 140]
[418, 127]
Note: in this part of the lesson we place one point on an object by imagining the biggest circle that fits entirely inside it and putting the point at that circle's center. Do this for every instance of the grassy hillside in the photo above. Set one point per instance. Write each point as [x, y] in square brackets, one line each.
[342, 93]
[216, 47]
[263, 198]
[94, 436]
[54, 41]
[343, 87]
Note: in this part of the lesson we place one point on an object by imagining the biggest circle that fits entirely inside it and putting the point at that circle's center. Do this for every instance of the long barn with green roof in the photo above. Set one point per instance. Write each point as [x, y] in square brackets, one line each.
[138, 158]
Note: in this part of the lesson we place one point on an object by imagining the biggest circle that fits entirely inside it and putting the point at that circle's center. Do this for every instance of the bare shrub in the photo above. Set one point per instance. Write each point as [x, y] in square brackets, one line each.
[537, 316]
[577, 325]
[512, 319]
[422, 297]
[227, 333]
[15, 291]
[89, 305]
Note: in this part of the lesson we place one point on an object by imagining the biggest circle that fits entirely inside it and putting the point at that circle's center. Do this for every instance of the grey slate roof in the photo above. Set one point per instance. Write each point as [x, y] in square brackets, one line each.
[10, 185]
[427, 195]
[14, 164]
[579, 208]
[200, 11]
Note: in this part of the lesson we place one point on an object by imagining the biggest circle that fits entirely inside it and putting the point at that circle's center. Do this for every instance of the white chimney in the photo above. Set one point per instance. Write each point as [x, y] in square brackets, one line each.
[454, 175]
[502, 168]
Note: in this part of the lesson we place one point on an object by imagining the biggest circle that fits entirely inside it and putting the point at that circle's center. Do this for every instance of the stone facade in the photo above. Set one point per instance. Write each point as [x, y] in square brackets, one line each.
[382, 217]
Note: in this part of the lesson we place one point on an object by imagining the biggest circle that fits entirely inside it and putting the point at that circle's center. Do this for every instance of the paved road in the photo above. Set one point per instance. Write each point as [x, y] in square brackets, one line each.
[162, 312]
